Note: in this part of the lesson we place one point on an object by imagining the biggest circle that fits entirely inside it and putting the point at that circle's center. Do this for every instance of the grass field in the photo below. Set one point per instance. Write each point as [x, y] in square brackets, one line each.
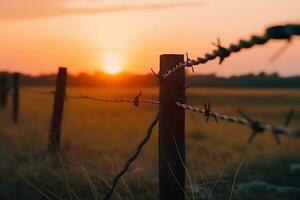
[97, 138]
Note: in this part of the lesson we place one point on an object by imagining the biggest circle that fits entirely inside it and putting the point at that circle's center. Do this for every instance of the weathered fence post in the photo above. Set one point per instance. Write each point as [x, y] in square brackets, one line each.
[59, 97]
[171, 130]
[4, 89]
[15, 97]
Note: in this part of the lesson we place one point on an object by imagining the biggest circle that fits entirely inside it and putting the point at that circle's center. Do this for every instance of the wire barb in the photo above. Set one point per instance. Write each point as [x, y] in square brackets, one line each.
[222, 52]
[189, 61]
[289, 117]
[287, 121]
[155, 74]
[256, 126]
[136, 100]
[280, 51]
[207, 112]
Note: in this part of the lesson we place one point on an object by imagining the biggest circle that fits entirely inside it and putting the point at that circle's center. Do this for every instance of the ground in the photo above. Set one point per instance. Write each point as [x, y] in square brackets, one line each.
[97, 138]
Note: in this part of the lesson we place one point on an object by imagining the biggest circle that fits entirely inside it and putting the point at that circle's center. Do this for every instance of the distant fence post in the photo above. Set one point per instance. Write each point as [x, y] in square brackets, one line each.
[4, 89]
[15, 97]
[59, 97]
[171, 130]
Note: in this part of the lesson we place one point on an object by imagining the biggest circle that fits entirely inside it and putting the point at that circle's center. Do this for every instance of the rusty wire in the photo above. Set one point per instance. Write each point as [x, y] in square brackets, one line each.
[284, 32]
[256, 126]
[136, 100]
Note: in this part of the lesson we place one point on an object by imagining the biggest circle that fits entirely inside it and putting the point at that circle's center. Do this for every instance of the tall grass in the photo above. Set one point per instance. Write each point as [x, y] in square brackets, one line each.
[97, 138]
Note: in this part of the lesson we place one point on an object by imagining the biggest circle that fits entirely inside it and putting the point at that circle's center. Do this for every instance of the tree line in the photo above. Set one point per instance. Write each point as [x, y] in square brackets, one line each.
[100, 79]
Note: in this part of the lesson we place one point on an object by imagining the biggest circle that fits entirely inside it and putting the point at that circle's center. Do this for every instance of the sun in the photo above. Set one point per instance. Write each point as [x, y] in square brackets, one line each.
[112, 63]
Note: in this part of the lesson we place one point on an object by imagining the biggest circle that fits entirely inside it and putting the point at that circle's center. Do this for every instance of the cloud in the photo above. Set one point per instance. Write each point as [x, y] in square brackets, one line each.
[31, 9]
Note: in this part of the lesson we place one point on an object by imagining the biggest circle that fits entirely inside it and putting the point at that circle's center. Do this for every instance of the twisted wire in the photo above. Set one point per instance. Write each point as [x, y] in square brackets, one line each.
[265, 126]
[243, 121]
[149, 101]
[135, 101]
[284, 32]
[132, 158]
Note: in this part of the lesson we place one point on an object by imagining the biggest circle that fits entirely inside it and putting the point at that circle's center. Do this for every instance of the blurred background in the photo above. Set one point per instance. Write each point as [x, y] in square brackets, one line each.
[108, 48]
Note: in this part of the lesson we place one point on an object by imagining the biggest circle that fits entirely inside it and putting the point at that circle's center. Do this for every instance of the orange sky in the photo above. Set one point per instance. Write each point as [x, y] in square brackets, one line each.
[87, 35]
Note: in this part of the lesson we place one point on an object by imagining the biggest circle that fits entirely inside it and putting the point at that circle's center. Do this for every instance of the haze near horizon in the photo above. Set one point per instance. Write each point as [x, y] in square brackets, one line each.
[119, 35]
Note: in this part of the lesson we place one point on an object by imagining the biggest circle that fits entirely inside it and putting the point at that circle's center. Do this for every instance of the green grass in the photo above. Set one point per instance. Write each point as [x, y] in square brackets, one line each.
[97, 138]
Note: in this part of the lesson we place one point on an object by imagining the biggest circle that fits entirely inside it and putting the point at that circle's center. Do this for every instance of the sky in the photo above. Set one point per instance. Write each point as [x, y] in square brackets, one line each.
[90, 35]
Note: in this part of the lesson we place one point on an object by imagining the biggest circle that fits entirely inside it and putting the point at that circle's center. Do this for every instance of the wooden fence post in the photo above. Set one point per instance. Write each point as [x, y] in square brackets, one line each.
[4, 89]
[59, 97]
[15, 97]
[171, 131]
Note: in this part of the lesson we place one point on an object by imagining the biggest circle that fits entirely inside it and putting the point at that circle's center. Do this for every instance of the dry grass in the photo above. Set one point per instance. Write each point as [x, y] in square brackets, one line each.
[98, 138]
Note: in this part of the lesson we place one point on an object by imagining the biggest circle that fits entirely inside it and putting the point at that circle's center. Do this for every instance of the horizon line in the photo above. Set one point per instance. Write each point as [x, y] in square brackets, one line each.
[190, 74]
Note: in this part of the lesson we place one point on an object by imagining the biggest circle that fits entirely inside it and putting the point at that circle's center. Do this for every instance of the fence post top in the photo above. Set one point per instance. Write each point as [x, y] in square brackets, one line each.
[170, 54]
[62, 69]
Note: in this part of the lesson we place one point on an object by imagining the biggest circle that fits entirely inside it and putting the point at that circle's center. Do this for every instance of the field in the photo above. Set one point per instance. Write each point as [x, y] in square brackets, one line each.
[97, 138]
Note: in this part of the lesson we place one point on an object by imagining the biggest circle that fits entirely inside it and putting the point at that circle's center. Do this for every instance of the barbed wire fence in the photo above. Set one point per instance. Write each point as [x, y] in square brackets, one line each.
[168, 99]
[285, 32]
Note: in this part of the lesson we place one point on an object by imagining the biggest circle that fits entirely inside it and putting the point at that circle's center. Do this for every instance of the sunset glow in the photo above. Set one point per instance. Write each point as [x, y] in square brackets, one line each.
[149, 99]
[38, 36]
[112, 63]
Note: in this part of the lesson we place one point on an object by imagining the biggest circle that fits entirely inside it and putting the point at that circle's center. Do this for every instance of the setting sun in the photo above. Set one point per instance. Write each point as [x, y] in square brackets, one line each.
[131, 99]
[112, 63]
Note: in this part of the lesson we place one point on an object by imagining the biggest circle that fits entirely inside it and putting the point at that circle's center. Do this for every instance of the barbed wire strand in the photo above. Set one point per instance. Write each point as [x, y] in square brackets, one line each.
[132, 158]
[136, 100]
[149, 101]
[243, 121]
[206, 112]
[283, 32]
